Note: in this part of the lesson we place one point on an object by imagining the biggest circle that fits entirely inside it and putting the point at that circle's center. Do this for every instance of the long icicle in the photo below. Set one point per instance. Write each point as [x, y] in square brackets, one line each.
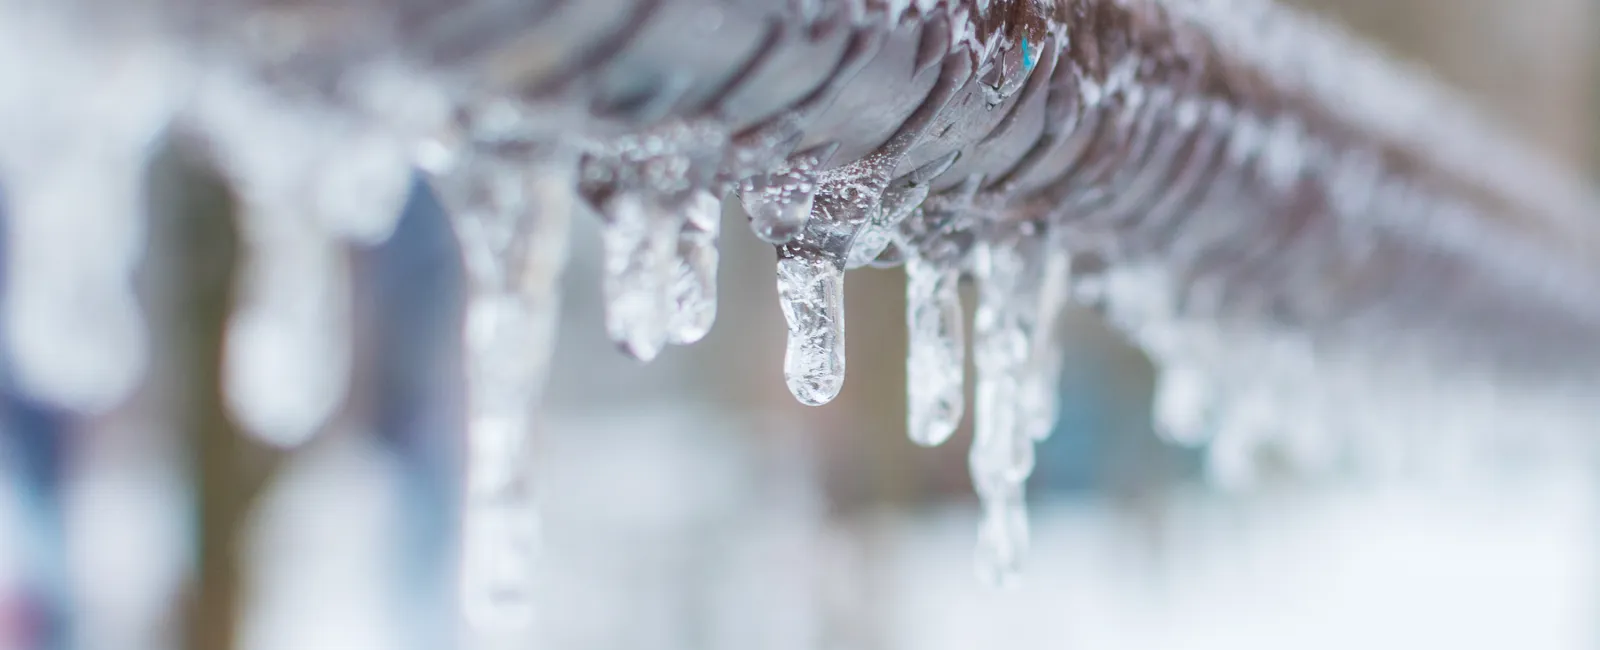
[511, 216]
[1001, 458]
[1021, 288]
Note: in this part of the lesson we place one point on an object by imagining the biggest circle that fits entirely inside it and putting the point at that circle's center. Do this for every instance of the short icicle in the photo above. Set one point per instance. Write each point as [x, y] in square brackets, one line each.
[641, 242]
[77, 119]
[660, 232]
[694, 290]
[811, 266]
[927, 243]
[811, 292]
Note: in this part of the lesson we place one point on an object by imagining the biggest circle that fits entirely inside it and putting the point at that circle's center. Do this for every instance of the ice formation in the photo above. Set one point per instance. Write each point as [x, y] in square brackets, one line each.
[510, 210]
[1220, 221]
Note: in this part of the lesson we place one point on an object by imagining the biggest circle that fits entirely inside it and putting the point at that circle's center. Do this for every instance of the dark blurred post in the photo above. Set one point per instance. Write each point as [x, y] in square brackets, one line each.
[196, 238]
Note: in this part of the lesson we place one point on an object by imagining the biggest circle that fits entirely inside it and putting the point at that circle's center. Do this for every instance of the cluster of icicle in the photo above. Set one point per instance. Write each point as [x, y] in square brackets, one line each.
[327, 162]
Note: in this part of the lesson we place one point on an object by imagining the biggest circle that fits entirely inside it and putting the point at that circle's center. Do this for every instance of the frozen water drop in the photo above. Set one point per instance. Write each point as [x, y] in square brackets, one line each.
[935, 352]
[775, 217]
[811, 292]
[79, 108]
[695, 288]
[779, 203]
[870, 242]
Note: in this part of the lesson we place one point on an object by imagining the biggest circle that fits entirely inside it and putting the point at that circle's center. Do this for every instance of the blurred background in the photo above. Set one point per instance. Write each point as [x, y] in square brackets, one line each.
[691, 504]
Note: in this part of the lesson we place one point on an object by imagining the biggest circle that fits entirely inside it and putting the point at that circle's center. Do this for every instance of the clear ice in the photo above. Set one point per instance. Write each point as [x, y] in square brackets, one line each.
[695, 287]
[653, 191]
[811, 292]
[779, 203]
[811, 277]
[641, 266]
[1041, 385]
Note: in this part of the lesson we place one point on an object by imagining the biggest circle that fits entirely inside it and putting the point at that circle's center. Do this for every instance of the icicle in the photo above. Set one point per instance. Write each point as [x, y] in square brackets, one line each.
[933, 257]
[695, 289]
[1047, 287]
[811, 266]
[288, 347]
[1001, 458]
[811, 292]
[641, 267]
[72, 324]
[660, 232]
[79, 107]
[811, 278]
[935, 355]
[1022, 286]
[511, 217]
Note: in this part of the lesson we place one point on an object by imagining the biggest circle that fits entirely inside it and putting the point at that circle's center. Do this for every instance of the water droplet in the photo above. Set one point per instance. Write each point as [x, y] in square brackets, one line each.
[780, 203]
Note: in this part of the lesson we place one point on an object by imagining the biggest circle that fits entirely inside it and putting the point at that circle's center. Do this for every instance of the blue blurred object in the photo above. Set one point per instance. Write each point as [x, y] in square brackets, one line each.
[34, 445]
[418, 398]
